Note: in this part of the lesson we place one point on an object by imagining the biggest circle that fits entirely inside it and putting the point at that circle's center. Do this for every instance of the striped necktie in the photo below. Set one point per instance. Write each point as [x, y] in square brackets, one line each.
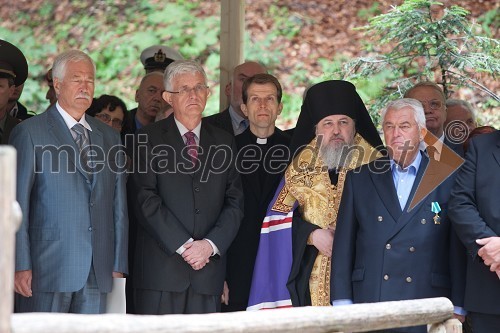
[192, 146]
[84, 145]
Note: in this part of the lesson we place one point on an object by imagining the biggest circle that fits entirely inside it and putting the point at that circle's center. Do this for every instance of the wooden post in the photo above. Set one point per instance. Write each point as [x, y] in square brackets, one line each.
[232, 29]
[10, 217]
[450, 326]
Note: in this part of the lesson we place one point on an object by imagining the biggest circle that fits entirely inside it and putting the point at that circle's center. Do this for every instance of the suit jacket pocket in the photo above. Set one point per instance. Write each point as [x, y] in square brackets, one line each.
[44, 234]
[358, 274]
[440, 280]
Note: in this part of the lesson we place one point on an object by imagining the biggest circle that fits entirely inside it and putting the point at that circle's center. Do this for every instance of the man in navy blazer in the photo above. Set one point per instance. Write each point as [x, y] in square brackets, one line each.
[389, 246]
[73, 236]
[188, 202]
[475, 214]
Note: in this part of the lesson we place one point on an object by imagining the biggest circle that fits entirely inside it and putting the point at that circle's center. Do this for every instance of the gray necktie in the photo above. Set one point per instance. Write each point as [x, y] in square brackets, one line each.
[83, 144]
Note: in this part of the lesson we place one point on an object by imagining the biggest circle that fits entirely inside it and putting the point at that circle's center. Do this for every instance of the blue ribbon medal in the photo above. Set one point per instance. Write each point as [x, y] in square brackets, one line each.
[435, 208]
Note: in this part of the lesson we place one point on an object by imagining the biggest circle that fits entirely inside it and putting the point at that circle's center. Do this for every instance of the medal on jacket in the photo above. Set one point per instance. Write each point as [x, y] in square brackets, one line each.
[435, 208]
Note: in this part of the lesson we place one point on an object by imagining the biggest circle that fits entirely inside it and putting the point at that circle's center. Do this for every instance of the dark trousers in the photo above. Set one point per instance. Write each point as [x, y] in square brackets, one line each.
[157, 302]
[484, 323]
[234, 306]
[88, 300]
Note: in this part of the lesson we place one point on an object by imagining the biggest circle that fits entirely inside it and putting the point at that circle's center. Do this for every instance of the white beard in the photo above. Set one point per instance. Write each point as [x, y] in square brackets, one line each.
[335, 157]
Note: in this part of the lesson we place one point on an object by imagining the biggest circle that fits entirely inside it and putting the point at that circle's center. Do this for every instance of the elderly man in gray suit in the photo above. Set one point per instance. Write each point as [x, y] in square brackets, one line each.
[71, 189]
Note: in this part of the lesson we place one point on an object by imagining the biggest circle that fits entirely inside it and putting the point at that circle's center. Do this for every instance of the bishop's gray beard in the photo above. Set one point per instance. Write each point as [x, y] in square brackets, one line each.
[335, 156]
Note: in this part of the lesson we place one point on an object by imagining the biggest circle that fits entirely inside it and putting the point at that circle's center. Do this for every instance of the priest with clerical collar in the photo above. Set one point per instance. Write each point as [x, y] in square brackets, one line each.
[262, 158]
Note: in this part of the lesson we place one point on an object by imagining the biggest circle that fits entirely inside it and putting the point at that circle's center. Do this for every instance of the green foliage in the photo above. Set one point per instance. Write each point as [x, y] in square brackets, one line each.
[370, 12]
[285, 25]
[490, 19]
[428, 45]
[114, 32]
[114, 35]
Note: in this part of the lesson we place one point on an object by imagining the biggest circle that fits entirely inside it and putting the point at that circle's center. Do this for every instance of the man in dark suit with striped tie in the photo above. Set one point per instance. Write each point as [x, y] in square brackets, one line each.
[188, 202]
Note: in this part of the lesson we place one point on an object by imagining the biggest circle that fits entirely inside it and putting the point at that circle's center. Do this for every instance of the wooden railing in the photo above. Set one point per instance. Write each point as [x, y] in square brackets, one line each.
[438, 312]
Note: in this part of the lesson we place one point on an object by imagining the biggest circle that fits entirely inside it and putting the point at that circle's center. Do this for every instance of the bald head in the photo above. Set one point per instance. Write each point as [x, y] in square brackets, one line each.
[239, 75]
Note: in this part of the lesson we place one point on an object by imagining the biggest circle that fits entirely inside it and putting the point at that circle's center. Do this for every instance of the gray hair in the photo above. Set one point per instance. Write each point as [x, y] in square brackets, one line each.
[181, 67]
[415, 105]
[59, 67]
[465, 104]
[426, 84]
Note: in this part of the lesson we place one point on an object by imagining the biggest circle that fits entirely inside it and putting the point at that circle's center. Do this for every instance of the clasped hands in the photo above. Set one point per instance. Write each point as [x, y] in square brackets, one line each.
[197, 253]
[490, 253]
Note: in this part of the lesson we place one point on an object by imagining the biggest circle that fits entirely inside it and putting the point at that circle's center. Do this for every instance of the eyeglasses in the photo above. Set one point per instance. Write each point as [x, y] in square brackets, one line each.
[106, 118]
[185, 91]
[434, 104]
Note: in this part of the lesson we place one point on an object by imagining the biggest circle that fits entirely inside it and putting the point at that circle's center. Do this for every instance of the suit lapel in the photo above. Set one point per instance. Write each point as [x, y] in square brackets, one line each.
[96, 140]
[253, 180]
[172, 137]
[496, 153]
[384, 185]
[226, 121]
[207, 140]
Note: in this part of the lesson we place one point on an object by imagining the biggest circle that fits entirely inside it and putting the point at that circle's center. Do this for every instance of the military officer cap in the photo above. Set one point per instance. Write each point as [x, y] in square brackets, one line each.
[13, 64]
[158, 57]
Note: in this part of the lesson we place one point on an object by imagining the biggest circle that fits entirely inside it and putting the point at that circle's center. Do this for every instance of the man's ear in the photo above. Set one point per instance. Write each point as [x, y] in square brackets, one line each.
[167, 97]
[423, 133]
[227, 91]
[244, 109]
[280, 108]
[57, 85]
[12, 90]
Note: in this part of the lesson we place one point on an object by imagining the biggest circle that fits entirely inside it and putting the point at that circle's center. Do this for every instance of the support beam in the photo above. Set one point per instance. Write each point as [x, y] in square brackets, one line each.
[10, 218]
[327, 319]
[232, 29]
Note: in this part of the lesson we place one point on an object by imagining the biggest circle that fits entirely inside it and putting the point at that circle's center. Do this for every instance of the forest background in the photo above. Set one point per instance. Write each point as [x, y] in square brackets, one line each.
[301, 42]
